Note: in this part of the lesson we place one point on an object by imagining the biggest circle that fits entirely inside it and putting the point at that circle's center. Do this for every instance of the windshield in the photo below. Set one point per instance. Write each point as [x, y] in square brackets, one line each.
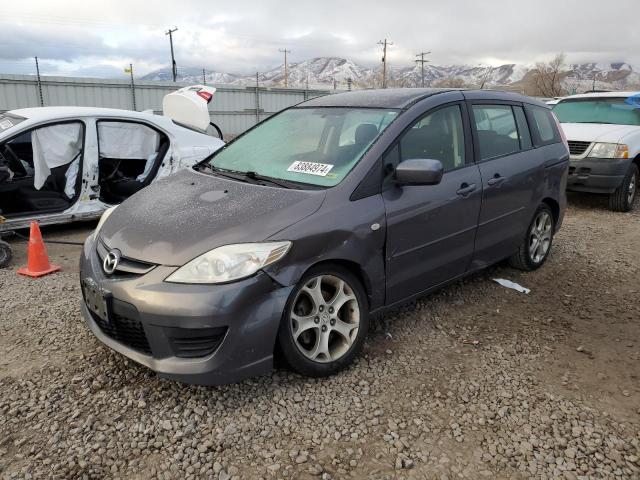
[8, 120]
[618, 111]
[316, 146]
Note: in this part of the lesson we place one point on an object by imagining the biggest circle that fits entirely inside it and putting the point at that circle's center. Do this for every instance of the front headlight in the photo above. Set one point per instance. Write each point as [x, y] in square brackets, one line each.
[230, 262]
[609, 150]
[103, 219]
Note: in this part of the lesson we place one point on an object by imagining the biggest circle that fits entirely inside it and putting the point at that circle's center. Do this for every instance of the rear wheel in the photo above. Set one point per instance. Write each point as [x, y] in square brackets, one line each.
[535, 248]
[5, 254]
[325, 322]
[622, 199]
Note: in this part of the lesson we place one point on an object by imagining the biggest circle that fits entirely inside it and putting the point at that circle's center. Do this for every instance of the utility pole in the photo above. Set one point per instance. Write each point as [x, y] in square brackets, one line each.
[306, 88]
[422, 61]
[39, 83]
[595, 76]
[204, 77]
[174, 67]
[133, 87]
[384, 44]
[257, 100]
[286, 67]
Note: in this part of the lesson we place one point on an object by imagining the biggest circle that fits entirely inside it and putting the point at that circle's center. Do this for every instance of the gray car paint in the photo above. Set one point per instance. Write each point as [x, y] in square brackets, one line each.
[598, 175]
[398, 241]
[175, 220]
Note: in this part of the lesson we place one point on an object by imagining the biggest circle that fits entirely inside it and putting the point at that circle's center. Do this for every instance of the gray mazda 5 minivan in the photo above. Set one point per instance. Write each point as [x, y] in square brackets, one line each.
[288, 238]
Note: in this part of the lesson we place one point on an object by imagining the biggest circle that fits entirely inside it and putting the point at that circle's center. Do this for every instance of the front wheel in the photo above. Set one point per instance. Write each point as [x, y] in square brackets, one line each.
[325, 322]
[5, 254]
[622, 199]
[535, 248]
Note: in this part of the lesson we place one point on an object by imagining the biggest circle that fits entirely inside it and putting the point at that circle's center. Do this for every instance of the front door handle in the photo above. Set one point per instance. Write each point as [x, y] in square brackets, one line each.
[496, 180]
[465, 189]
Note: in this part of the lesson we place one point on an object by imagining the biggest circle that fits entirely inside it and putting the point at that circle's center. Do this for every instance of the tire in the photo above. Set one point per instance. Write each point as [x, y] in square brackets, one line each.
[539, 236]
[314, 318]
[622, 199]
[5, 254]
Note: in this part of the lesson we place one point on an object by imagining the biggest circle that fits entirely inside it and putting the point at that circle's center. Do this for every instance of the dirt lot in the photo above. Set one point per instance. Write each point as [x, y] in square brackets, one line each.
[550, 390]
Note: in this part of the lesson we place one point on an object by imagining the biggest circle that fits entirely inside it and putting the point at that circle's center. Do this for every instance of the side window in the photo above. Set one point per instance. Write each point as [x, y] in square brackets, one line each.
[439, 135]
[523, 128]
[50, 154]
[128, 150]
[497, 131]
[545, 125]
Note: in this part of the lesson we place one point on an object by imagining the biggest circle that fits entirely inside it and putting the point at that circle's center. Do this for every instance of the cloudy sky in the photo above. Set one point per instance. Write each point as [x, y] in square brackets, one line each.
[91, 38]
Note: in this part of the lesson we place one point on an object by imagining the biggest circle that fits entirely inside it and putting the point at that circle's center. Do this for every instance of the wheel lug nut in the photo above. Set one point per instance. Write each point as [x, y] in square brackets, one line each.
[324, 328]
[317, 319]
[333, 321]
[330, 309]
[321, 308]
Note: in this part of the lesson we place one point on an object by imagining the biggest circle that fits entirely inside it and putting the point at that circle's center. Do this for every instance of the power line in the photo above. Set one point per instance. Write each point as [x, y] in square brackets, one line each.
[422, 61]
[174, 68]
[286, 67]
[384, 43]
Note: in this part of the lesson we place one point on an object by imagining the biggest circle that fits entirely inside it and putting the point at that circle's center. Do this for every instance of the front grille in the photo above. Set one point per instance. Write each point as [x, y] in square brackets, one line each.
[578, 148]
[195, 342]
[126, 266]
[124, 329]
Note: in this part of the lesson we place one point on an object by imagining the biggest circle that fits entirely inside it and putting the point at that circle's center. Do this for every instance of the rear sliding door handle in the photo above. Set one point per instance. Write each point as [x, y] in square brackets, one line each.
[465, 189]
[496, 180]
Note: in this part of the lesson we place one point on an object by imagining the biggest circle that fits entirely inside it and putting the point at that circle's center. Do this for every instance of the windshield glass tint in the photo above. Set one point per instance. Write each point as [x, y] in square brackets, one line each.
[317, 146]
[619, 111]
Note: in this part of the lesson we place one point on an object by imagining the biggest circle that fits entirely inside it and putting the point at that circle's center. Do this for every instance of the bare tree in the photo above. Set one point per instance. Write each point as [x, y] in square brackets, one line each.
[547, 77]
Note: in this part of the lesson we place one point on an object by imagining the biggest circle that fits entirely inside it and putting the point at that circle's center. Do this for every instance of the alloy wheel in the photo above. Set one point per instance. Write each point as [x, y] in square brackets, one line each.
[631, 191]
[540, 237]
[325, 318]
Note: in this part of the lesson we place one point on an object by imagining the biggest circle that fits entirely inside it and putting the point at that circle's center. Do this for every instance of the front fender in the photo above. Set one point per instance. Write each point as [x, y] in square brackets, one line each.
[342, 233]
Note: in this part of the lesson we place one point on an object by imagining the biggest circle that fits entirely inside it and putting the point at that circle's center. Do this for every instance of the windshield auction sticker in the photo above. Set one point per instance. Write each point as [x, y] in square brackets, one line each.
[5, 124]
[310, 168]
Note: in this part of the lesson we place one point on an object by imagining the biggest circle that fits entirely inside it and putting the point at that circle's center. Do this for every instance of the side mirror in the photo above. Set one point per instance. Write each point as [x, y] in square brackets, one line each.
[419, 171]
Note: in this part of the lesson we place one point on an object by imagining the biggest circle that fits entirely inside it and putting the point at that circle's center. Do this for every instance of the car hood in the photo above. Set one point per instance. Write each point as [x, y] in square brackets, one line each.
[187, 214]
[597, 132]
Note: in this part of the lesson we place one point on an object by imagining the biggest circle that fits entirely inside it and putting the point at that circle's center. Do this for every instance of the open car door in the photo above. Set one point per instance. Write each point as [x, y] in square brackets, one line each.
[189, 107]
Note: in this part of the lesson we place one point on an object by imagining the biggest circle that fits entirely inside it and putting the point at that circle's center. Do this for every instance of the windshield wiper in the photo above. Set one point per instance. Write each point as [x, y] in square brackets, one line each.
[263, 178]
[252, 177]
[239, 176]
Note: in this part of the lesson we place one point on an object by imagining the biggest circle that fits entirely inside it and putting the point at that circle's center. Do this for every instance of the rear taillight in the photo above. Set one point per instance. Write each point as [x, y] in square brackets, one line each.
[205, 95]
[562, 135]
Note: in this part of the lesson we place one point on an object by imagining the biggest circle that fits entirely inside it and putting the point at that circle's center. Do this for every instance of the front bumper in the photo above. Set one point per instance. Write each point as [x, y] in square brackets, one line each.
[165, 326]
[597, 175]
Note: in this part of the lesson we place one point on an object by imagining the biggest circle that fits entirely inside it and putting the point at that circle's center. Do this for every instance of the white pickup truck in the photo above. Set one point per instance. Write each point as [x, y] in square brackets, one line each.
[603, 130]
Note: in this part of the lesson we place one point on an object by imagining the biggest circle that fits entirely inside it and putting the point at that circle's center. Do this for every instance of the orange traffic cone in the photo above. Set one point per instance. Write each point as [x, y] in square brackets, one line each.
[37, 259]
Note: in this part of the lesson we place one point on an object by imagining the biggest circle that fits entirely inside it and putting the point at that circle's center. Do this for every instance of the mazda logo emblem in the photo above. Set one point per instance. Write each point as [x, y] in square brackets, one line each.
[110, 262]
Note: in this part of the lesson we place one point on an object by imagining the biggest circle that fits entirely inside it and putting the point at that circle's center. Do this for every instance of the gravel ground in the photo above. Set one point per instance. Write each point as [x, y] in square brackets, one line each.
[475, 381]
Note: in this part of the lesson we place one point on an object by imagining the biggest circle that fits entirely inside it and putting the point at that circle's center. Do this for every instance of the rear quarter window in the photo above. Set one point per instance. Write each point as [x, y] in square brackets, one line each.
[544, 127]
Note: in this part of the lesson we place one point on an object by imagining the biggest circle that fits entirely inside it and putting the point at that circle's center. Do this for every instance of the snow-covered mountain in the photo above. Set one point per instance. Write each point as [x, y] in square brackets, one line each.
[322, 72]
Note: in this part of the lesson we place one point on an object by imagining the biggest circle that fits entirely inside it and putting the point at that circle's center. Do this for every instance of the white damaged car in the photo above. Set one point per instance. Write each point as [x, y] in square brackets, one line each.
[60, 164]
[603, 130]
